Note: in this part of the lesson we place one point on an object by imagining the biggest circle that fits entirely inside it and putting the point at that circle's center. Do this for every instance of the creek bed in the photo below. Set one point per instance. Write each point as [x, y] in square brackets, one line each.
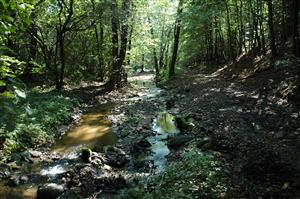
[93, 130]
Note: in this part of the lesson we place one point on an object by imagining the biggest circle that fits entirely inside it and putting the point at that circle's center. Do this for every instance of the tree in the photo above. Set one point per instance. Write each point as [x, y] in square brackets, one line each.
[296, 40]
[271, 28]
[176, 40]
[117, 76]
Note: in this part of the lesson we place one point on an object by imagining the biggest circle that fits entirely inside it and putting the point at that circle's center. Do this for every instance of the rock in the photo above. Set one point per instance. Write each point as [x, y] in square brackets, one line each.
[96, 159]
[24, 179]
[170, 103]
[4, 171]
[141, 146]
[49, 191]
[86, 154]
[144, 143]
[178, 141]
[183, 125]
[142, 165]
[14, 181]
[35, 154]
[115, 156]
[116, 160]
[112, 149]
[205, 143]
[90, 171]
[14, 166]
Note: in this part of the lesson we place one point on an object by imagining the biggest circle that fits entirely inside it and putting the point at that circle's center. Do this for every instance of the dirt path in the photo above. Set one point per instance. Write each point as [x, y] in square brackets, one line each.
[257, 135]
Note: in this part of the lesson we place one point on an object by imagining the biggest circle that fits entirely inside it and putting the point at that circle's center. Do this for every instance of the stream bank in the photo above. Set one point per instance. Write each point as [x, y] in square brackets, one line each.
[231, 143]
[92, 155]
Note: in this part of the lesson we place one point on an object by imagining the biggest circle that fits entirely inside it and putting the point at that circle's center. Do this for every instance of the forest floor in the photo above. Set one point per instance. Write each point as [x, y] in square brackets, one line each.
[257, 135]
[235, 141]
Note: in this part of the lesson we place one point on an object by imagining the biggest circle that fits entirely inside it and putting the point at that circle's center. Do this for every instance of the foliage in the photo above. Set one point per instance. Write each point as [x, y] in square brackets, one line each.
[11, 89]
[195, 176]
[14, 15]
[286, 62]
[35, 119]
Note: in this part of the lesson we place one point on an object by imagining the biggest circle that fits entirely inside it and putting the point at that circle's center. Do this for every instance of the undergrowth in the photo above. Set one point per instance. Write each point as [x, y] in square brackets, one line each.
[195, 176]
[33, 121]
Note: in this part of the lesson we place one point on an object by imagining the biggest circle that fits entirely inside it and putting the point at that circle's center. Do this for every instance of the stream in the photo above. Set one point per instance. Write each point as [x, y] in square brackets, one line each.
[93, 130]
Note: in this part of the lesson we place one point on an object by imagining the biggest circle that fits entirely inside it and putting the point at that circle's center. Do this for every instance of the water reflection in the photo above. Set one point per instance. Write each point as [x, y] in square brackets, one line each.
[164, 125]
[92, 130]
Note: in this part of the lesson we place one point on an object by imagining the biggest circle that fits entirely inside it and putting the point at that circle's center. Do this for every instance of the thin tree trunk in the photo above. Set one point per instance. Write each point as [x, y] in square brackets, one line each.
[155, 59]
[98, 44]
[129, 44]
[229, 32]
[296, 40]
[143, 63]
[61, 40]
[271, 28]
[176, 40]
[33, 45]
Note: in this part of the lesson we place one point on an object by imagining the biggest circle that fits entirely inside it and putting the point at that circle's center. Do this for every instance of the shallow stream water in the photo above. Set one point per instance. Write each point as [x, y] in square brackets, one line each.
[163, 126]
[93, 130]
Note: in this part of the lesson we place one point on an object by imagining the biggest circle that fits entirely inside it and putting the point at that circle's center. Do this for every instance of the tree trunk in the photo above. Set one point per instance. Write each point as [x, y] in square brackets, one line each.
[296, 40]
[231, 57]
[115, 46]
[118, 75]
[176, 40]
[61, 32]
[62, 60]
[155, 59]
[99, 43]
[129, 44]
[33, 45]
[143, 63]
[271, 28]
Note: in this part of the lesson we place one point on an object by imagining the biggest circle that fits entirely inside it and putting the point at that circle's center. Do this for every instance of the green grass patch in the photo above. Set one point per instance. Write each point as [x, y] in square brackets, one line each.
[194, 176]
[33, 121]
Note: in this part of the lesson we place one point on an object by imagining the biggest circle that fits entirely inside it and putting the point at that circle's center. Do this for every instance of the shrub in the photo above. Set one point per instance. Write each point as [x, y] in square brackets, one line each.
[195, 176]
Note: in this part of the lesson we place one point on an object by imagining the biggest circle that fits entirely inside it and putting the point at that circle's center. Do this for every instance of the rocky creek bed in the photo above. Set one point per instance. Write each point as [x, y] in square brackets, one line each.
[100, 152]
[253, 137]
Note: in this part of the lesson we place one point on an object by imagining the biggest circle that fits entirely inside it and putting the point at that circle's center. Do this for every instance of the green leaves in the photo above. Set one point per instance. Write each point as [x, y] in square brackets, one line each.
[20, 93]
[14, 16]
[194, 176]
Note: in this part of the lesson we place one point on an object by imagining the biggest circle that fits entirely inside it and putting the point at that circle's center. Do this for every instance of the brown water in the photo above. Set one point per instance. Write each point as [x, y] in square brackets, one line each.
[93, 130]
[21, 192]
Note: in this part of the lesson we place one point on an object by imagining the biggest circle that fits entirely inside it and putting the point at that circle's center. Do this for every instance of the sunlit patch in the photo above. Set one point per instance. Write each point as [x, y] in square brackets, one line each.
[163, 126]
[165, 123]
[93, 130]
[54, 170]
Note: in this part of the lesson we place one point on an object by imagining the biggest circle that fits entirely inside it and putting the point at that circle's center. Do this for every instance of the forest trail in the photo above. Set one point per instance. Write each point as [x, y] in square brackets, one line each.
[257, 134]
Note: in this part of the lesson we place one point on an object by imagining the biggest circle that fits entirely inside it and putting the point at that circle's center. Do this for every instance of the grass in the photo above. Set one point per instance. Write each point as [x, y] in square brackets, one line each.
[194, 176]
[33, 121]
